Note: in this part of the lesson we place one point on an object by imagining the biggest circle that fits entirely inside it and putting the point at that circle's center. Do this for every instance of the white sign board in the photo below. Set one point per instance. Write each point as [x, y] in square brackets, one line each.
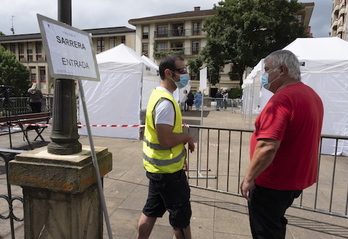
[69, 51]
[203, 76]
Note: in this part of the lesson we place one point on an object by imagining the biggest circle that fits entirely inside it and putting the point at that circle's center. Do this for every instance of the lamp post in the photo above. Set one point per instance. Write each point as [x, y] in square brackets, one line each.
[64, 133]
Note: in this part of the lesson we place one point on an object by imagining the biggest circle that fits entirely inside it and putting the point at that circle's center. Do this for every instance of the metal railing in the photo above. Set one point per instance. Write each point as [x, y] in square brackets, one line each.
[222, 157]
[13, 203]
[180, 32]
[20, 105]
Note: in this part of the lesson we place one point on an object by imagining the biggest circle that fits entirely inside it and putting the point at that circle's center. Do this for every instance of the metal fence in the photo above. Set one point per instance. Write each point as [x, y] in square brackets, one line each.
[20, 105]
[11, 203]
[218, 164]
[222, 157]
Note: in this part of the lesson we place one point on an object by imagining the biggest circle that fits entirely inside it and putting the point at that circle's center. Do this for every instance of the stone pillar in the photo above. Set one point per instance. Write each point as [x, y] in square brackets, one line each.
[61, 198]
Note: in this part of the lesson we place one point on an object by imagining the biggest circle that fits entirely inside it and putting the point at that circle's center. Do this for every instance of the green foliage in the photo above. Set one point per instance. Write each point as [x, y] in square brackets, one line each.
[13, 73]
[1, 33]
[195, 66]
[235, 93]
[161, 54]
[245, 31]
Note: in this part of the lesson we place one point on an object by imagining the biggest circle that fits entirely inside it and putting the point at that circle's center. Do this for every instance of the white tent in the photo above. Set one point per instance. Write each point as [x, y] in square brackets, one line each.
[126, 81]
[324, 67]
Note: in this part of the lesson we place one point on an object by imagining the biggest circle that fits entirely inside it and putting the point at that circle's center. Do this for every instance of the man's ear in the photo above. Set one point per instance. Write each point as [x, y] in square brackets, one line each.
[168, 72]
[283, 69]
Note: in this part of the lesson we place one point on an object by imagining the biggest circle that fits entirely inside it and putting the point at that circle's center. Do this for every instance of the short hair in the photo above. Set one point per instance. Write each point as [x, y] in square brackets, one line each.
[168, 62]
[288, 59]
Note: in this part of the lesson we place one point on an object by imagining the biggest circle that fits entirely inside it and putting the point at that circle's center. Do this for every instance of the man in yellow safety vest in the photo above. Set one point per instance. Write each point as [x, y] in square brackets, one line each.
[164, 153]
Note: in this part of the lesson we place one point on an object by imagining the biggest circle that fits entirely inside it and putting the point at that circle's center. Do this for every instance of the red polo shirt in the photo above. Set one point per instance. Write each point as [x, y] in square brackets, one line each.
[294, 116]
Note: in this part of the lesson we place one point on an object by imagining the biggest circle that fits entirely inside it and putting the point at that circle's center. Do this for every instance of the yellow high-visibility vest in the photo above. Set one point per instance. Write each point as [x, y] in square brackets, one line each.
[157, 159]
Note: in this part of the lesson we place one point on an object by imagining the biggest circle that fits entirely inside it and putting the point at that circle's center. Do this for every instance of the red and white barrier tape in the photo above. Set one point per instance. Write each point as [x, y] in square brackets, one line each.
[111, 125]
[93, 125]
[80, 125]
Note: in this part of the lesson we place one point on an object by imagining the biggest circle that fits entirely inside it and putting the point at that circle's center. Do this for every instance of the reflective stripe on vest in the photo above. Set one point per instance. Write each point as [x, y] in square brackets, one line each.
[155, 146]
[164, 162]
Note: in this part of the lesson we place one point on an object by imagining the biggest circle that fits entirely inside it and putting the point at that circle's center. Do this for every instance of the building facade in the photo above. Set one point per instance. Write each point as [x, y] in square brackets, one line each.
[28, 49]
[339, 19]
[179, 33]
[182, 33]
[154, 36]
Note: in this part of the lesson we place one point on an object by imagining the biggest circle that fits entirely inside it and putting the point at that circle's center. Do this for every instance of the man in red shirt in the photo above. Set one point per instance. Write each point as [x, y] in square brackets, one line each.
[284, 146]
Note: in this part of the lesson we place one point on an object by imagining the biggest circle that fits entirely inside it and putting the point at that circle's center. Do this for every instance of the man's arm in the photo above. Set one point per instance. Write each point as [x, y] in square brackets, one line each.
[167, 138]
[265, 151]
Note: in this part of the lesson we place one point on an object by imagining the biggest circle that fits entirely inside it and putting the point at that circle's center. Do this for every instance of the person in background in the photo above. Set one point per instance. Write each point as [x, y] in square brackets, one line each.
[184, 101]
[198, 100]
[190, 99]
[218, 98]
[225, 99]
[284, 146]
[164, 154]
[35, 98]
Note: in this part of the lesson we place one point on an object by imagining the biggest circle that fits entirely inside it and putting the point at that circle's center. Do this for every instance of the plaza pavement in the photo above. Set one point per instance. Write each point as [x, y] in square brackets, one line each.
[215, 215]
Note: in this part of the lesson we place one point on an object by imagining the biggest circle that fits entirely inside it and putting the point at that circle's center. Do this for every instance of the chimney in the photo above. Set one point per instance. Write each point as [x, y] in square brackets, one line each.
[197, 8]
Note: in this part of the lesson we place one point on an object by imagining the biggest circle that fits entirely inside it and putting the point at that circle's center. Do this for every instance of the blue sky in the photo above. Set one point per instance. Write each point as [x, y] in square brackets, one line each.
[110, 13]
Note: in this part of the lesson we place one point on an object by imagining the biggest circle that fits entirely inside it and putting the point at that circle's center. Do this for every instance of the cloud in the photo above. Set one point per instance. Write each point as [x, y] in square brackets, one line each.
[110, 13]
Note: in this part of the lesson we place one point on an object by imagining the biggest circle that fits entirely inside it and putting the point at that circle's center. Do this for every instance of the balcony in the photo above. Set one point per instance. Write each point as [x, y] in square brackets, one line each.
[186, 51]
[340, 29]
[342, 11]
[334, 24]
[178, 33]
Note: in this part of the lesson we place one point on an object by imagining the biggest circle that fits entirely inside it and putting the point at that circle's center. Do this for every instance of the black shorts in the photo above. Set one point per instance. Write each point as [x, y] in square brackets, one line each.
[169, 192]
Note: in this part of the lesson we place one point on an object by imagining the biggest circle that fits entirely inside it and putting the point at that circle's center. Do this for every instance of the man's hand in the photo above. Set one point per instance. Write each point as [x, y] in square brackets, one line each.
[246, 188]
[191, 145]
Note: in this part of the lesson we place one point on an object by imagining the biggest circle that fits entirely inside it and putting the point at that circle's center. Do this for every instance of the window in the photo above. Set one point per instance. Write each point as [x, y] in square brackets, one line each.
[177, 46]
[195, 48]
[21, 48]
[100, 44]
[145, 49]
[145, 32]
[112, 42]
[29, 48]
[162, 31]
[13, 48]
[32, 74]
[196, 28]
[178, 30]
[123, 39]
[30, 51]
[38, 47]
[299, 18]
[162, 46]
[39, 58]
[42, 70]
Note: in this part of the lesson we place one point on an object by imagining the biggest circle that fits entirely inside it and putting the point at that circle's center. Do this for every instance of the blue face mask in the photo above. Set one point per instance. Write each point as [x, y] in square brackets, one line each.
[184, 79]
[264, 80]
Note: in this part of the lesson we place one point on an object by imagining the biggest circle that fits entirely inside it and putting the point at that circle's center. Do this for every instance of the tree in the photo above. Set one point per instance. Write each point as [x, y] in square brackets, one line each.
[13, 73]
[195, 65]
[244, 31]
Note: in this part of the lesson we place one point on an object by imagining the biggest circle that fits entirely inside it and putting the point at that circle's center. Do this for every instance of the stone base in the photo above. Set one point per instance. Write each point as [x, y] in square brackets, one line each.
[61, 198]
[51, 215]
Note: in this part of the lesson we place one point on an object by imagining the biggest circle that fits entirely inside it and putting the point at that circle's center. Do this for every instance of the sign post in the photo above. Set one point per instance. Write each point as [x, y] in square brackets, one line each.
[70, 57]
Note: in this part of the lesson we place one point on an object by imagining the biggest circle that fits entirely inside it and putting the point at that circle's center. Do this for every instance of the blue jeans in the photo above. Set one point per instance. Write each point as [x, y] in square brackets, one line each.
[218, 103]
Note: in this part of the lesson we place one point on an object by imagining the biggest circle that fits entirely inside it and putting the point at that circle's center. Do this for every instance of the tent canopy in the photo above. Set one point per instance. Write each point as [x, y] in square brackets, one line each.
[126, 81]
[324, 67]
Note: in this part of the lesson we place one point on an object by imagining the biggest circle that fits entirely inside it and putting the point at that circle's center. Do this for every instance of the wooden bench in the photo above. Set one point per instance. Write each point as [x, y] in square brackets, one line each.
[7, 123]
